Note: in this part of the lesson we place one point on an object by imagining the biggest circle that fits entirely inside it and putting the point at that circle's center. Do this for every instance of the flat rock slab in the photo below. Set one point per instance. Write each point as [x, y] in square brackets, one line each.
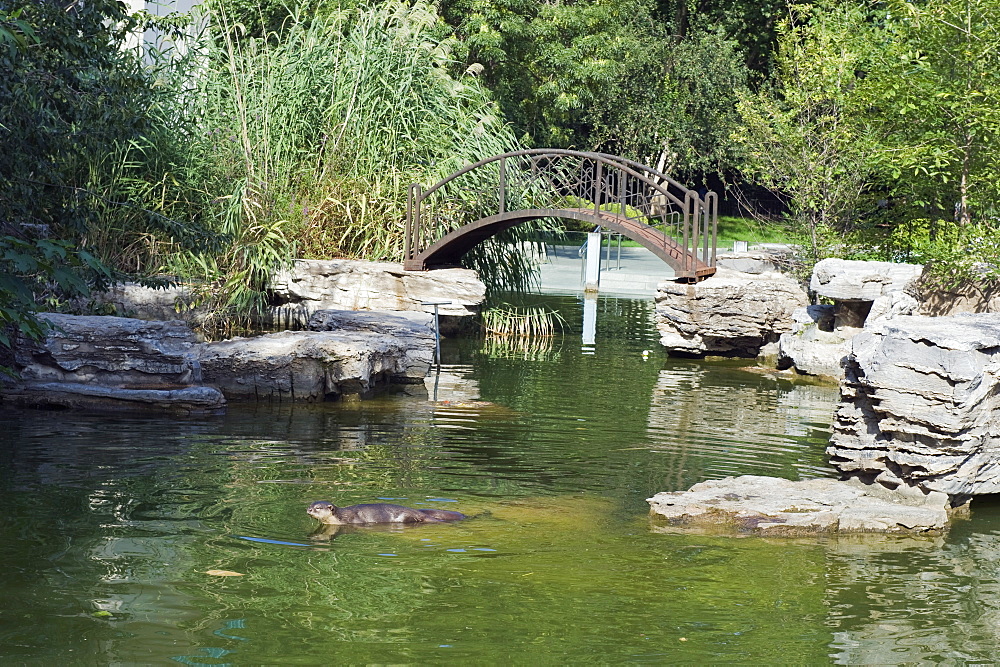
[851, 280]
[315, 365]
[758, 505]
[342, 284]
[188, 401]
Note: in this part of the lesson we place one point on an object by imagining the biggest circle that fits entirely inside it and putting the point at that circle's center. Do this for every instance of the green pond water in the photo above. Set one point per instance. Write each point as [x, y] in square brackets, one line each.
[111, 525]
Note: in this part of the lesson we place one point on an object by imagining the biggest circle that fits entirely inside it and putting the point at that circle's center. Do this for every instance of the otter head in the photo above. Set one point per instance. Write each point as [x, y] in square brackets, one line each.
[322, 510]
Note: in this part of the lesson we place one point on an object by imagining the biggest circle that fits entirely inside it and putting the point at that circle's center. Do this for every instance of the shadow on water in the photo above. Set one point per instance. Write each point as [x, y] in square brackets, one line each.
[146, 540]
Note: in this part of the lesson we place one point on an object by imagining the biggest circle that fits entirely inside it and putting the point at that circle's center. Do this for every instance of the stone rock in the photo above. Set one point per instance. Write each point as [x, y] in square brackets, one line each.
[848, 280]
[729, 313]
[360, 357]
[892, 305]
[812, 351]
[407, 324]
[110, 351]
[818, 344]
[919, 403]
[194, 400]
[747, 262]
[772, 506]
[111, 363]
[175, 302]
[341, 284]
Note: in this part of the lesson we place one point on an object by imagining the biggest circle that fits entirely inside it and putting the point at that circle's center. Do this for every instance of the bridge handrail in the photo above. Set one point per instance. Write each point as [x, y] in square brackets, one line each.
[624, 164]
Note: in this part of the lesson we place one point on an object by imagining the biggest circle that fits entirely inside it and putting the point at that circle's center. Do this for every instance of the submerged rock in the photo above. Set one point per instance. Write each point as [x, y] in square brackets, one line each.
[772, 506]
[919, 404]
[729, 313]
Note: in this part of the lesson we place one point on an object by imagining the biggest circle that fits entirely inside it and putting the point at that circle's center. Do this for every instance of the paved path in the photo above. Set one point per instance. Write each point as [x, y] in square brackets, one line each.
[636, 273]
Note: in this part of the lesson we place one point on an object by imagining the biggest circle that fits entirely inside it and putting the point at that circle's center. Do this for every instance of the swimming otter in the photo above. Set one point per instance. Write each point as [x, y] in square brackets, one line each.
[328, 513]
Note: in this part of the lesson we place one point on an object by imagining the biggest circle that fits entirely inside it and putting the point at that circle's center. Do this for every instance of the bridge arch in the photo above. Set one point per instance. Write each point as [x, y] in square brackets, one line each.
[480, 200]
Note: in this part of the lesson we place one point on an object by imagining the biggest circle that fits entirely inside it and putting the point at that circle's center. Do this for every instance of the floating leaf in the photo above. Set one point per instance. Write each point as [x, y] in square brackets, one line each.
[224, 573]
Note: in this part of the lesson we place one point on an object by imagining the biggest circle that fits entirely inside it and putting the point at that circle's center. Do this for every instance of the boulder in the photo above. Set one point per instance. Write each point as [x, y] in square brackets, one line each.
[341, 284]
[111, 363]
[773, 506]
[730, 313]
[813, 351]
[747, 262]
[862, 292]
[849, 280]
[365, 352]
[173, 302]
[919, 403]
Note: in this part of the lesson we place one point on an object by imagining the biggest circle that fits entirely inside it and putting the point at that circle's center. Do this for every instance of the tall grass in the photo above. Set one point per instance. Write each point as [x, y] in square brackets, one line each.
[302, 144]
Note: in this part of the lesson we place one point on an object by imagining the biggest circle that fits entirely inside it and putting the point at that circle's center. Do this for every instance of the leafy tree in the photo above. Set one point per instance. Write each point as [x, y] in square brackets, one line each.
[810, 136]
[752, 24]
[59, 70]
[681, 114]
[943, 105]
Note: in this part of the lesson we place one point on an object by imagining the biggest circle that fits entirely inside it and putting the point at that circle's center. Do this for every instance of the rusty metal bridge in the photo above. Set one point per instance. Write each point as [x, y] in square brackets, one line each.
[483, 199]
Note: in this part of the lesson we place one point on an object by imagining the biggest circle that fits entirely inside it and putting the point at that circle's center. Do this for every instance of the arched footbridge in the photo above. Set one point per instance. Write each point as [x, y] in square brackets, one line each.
[446, 220]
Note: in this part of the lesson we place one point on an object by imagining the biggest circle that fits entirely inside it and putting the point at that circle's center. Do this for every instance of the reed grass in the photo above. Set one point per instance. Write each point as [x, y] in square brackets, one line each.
[523, 322]
[298, 144]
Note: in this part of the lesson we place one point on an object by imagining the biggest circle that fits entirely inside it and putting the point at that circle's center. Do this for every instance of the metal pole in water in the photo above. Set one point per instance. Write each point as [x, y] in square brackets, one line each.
[437, 327]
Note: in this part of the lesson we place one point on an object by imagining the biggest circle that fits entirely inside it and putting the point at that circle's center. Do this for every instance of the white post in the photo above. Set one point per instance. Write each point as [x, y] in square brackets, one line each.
[589, 322]
[592, 279]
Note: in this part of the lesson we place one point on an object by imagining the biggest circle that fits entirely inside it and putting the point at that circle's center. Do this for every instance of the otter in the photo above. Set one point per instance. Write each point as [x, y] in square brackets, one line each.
[328, 513]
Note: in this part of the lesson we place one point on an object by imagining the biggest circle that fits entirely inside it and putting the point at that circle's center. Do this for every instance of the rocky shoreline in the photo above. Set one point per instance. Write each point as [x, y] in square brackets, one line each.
[127, 363]
[915, 433]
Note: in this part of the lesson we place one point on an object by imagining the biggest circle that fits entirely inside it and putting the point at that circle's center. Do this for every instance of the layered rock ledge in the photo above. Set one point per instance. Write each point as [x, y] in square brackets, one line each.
[862, 292]
[770, 506]
[112, 363]
[731, 313]
[919, 404]
[341, 284]
[309, 286]
[354, 353]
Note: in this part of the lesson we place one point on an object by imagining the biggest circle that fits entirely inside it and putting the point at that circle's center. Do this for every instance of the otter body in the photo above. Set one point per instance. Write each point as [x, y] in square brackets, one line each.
[330, 514]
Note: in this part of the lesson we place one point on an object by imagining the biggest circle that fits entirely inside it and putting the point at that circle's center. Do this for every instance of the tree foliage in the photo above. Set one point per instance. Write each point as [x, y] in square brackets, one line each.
[809, 135]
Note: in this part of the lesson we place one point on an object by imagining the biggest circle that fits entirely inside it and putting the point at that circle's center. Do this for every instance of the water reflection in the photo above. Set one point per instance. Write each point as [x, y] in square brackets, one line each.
[713, 425]
[112, 525]
[888, 602]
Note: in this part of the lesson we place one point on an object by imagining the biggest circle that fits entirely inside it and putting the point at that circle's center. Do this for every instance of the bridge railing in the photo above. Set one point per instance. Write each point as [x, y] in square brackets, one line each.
[583, 185]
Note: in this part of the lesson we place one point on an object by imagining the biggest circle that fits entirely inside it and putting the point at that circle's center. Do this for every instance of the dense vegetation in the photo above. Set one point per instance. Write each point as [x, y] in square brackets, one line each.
[295, 128]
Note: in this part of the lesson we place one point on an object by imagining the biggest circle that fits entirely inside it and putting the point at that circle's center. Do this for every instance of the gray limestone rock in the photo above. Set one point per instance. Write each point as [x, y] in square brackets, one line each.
[318, 365]
[110, 351]
[341, 284]
[849, 280]
[729, 313]
[772, 506]
[176, 302]
[111, 363]
[919, 402]
[865, 292]
[812, 351]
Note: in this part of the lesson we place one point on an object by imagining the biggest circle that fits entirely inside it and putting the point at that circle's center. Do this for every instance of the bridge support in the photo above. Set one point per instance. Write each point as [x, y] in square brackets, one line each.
[592, 261]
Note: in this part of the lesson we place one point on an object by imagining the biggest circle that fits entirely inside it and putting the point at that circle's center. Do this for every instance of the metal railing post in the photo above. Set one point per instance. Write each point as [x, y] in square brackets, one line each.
[597, 187]
[408, 230]
[503, 185]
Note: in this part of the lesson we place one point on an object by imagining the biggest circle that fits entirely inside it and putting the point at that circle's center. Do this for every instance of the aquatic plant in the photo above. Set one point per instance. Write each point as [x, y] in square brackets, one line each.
[527, 322]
